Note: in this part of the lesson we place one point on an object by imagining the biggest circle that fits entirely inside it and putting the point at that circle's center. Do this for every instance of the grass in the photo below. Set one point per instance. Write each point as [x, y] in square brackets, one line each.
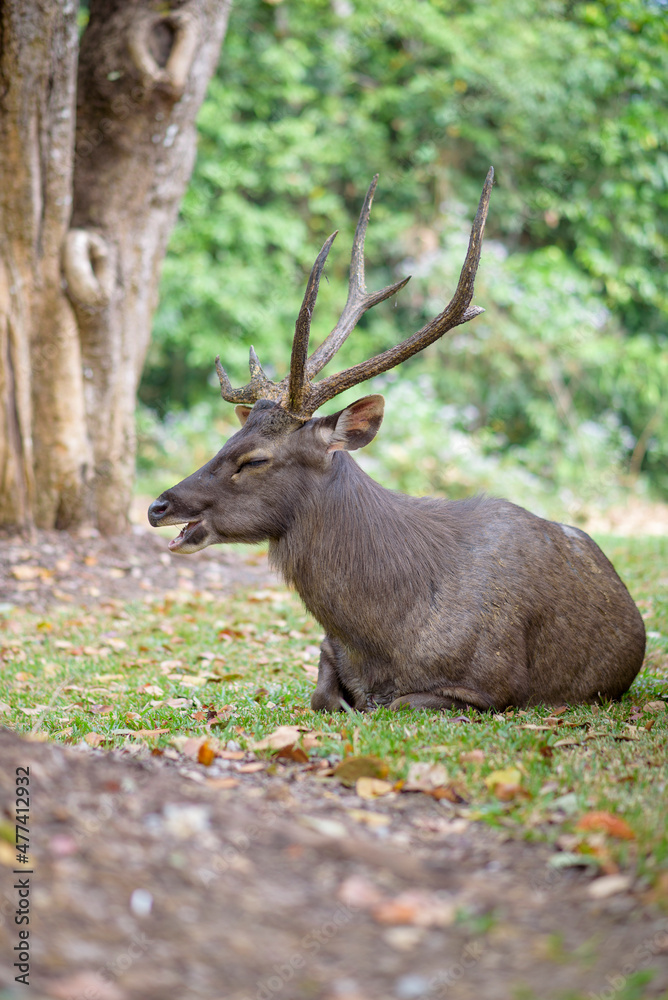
[123, 670]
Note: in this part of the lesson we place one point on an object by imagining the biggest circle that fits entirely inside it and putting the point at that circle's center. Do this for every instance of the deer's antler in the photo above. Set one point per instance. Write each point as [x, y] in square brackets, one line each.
[297, 392]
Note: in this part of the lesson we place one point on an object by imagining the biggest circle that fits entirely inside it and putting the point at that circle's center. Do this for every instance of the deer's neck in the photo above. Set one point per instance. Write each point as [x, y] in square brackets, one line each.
[351, 546]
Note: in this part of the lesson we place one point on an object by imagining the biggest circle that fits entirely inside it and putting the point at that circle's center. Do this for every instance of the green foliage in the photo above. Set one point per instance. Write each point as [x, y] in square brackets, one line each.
[564, 373]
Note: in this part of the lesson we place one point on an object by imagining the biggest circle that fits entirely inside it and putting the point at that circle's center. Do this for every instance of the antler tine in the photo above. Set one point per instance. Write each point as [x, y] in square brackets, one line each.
[458, 311]
[298, 384]
[358, 299]
[259, 387]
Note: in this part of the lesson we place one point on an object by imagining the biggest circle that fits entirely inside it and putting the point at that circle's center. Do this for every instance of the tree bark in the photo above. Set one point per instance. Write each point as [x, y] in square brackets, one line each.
[84, 224]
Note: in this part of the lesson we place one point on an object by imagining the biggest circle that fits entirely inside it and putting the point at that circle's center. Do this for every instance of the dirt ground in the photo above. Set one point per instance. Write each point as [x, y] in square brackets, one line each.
[153, 876]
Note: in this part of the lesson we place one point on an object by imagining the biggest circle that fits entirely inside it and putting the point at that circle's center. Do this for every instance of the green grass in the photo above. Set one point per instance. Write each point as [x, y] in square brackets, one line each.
[73, 673]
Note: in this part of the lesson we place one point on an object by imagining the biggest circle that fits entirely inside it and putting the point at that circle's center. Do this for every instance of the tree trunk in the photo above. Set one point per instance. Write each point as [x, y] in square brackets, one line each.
[83, 230]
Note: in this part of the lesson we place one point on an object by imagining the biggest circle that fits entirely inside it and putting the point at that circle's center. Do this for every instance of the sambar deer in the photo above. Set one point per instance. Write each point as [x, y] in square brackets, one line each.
[426, 603]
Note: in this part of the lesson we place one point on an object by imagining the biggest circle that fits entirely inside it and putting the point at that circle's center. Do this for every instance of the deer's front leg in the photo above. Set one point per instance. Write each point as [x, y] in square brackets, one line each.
[329, 692]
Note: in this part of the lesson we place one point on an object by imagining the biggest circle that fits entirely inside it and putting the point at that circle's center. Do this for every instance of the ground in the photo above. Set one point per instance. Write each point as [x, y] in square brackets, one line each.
[162, 870]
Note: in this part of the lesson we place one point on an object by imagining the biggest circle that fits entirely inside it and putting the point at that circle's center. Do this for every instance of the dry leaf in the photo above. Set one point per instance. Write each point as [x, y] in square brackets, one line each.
[608, 885]
[425, 777]
[472, 757]
[417, 907]
[284, 736]
[206, 754]
[151, 689]
[567, 743]
[222, 782]
[294, 753]
[370, 819]
[505, 784]
[452, 792]
[655, 706]
[352, 768]
[94, 739]
[252, 767]
[605, 822]
[29, 572]
[372, 788]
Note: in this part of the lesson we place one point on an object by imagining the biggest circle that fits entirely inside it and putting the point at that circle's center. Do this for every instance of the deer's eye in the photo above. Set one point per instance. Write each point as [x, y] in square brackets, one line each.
[253, 463]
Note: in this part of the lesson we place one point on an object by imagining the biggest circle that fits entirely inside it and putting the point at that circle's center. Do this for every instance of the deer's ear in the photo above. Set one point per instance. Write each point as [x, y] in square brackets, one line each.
[243, 413]
[355, 426]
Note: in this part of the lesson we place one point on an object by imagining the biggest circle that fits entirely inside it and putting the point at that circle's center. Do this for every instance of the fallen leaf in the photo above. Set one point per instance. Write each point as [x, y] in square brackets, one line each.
[294, 753]
[372, 788]
[206, 754]
[608, 885]
[416, 907]
[28, 572]
[151, 689]
[252, 767]
[567, 743]
[222, 782]
[452, 792]
[100, 709]
[374, 820]
[284, 736]
[655, 706]
[352, 768]
[605, 822]
[505, 784]
[4, 707]
[425, 777]
[94, 739]
[472, 757]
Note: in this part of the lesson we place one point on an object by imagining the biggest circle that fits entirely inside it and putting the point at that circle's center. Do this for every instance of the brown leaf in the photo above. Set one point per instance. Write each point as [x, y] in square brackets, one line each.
[284, 736]
[452, 792]
[294, 753]
[472, 757]
[252, 767]
[425, 777]
[94, 739]
[505, 784]
[352, 768]
[372, 788]
[151, 689]
[605, 822]
[28, 572]
[206, 754]
[222, 782]
[100, 709]
[416, 907]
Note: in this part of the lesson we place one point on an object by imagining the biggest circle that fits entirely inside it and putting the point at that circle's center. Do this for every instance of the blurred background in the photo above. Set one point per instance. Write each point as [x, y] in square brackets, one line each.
[555, 397]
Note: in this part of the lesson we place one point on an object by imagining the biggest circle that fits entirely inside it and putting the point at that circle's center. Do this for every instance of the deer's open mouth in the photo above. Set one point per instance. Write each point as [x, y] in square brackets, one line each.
[190, 538]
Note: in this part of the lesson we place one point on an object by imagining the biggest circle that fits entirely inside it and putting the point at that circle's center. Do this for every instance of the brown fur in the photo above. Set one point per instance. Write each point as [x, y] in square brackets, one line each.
[427, 603]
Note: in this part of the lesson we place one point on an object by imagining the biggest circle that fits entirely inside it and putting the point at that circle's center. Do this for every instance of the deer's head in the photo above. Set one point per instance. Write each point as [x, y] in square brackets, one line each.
[249, 490]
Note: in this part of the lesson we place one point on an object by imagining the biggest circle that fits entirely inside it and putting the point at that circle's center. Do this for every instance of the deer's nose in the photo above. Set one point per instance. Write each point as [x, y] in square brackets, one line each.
[157, 511]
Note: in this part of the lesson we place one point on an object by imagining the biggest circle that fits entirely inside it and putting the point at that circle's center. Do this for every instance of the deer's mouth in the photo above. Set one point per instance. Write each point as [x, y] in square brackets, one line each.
[193, 536]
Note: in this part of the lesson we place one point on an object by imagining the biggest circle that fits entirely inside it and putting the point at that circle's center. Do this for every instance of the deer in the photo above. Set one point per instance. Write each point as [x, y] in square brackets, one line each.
[426, 603]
